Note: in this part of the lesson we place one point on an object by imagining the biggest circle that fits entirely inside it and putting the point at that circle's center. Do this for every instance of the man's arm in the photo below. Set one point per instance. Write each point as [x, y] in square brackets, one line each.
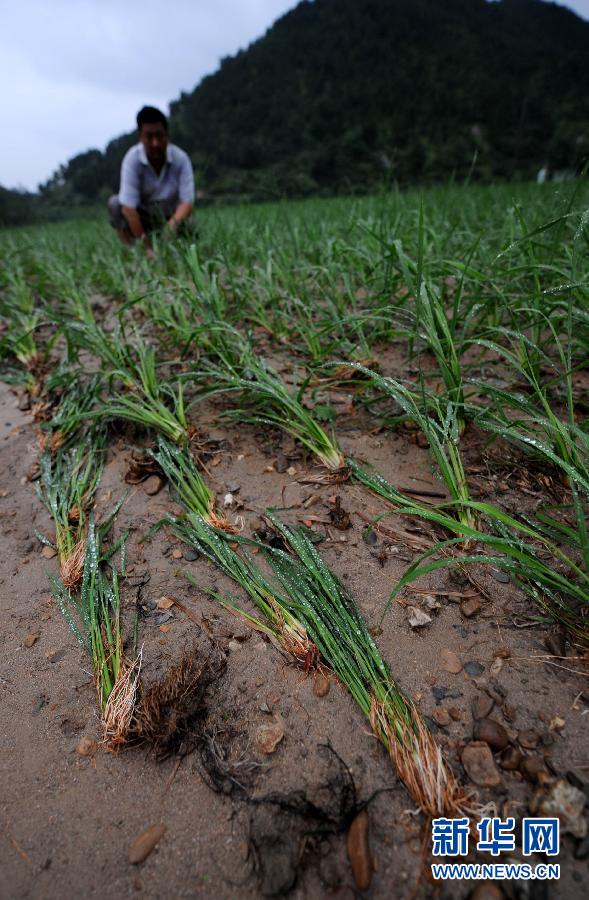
[129, 197]
[182, 212]
[136, 227]
[185, 193]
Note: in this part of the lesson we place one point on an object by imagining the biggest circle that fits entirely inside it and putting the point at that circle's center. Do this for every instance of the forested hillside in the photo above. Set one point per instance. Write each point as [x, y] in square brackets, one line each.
[343, 95]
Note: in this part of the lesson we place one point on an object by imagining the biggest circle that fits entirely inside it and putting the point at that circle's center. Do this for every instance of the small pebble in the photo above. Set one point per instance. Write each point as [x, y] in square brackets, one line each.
[268, 737]
[87, 746]
[482, 706]
[441, 716]
[534, 769]
[496, 666]
[529, 739]
[479, 764]
[450, 662]
[359, 854]
[165, 603]
[281, 464]
[492, 733]
[417, 617]
[321, 685]
[190, 555]
[153, 485]
[500, 576]
[473, 668]
[567, 803]
[176, 553]
[31, 638]
[145, 843]
[511, 759]
[470, 607]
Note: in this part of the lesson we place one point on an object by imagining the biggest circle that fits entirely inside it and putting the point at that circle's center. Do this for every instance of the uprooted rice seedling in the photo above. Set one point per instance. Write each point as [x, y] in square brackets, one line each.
[68, 482]
[439, 337]
[94, 615]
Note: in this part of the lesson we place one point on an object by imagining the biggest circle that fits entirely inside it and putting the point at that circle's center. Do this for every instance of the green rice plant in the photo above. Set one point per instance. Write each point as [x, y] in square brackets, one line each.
[310, 614]
[18, 307]
[440, 336]
[78, 397]
[556, 579]
[529, 419]
[189, 486]
[95, 618]
[206, 284]
[281, 623]
[66, 487]
[440, 423]
[378, 484]
[158, 407]
[336, 627]
[264, 398]
[144, 397]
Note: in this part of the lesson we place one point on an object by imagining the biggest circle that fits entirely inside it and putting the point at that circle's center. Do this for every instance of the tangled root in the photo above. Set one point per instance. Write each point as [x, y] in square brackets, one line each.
[167, 712]
[120, 706]
[73, 566]
[421, 766]
[219, 521]
[325, 475]
[51, 442]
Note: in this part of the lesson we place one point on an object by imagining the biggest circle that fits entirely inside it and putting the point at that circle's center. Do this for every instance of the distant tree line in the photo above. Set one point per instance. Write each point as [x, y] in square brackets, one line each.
[348, 95]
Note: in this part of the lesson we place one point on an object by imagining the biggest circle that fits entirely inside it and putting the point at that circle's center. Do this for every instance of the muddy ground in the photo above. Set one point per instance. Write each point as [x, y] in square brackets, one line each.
[67, 820]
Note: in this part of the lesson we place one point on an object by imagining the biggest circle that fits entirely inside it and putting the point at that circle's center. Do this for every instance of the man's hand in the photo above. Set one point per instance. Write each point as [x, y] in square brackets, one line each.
[183, 210]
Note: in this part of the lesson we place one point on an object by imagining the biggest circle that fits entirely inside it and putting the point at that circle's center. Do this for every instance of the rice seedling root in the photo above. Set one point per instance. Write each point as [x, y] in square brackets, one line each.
[119, 708]
[72, 566]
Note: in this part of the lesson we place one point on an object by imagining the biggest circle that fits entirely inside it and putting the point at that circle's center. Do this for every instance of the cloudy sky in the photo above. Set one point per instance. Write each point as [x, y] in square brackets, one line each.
[74, 72]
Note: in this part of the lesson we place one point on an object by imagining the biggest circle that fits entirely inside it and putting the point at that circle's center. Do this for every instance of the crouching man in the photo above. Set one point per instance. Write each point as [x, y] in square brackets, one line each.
[157, 184]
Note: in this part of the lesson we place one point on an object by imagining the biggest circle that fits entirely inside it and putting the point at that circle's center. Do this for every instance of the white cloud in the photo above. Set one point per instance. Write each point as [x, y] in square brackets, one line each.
[75, 72]
[79, 70]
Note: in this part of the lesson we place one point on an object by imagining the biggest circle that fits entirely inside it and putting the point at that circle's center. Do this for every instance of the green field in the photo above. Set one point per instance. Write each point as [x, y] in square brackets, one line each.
[456, 317]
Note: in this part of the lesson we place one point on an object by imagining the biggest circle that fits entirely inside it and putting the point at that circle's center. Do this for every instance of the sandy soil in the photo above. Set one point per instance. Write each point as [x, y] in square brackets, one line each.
[67, 820]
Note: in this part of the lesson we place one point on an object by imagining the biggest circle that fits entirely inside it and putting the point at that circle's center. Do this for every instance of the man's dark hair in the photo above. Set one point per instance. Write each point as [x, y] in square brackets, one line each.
[149, 115]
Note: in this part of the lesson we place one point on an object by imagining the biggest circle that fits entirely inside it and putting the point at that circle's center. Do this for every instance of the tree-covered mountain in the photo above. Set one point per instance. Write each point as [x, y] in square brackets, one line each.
[344, 94]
